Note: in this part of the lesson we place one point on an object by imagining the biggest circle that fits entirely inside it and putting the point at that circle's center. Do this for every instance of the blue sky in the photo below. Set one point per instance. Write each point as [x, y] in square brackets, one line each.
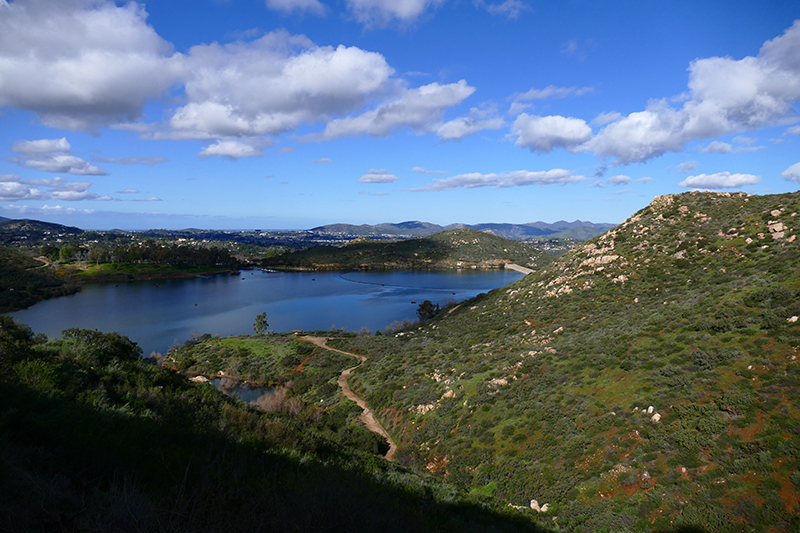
[287, 114]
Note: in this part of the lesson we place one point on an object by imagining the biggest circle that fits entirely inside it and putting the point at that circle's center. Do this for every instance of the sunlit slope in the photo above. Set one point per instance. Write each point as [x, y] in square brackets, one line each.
[648, 378]
[459, 248]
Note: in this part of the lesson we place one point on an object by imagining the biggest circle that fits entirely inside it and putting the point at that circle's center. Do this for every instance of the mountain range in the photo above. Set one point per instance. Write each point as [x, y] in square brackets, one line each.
[578, 229]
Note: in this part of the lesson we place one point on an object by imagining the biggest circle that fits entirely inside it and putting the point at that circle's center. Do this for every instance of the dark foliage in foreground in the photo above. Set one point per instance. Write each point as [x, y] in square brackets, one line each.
[93, 438]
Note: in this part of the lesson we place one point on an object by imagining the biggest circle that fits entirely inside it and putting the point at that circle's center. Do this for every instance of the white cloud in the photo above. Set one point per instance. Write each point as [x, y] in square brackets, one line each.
[53, 155]
[288, 6]
[794, 130]
[542, 134]
[423, 170]
[132, 160]
[792, 173]
[720, 180]
[725, 96]
[100, 62]
[322, 160]
[12, 188]
[517, 178]
[686, 167]
[508, 8]
[420, 109]
[382, 12]
[151, 199]
[378, 176]
[618, 180]
[65, 164]
[551, 91]
[11, 191]
[231, 149]
[717, 147]
[272, 85]
[605, 118]
[462, 127]
[129, 191]
[41, 146]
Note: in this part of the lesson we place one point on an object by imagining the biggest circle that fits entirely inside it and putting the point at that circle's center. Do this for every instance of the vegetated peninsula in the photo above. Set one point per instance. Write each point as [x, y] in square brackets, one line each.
[451, 249]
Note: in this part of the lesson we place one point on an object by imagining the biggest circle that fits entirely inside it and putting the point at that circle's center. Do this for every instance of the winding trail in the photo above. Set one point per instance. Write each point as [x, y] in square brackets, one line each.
[367, 415]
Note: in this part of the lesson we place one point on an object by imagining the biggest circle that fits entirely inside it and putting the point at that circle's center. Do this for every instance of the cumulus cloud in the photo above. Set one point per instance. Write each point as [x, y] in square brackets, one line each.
[508, 8]
[378, 176]
[720, 180]
[792, 173]
[542, 134]
[423, 170]
[101, 64]
[232, 149]
[420, 109]
[272, 85]
[382, 12]
[53, 155]
[288, 6]
[13, 188]
[725, 96]
[504, 180]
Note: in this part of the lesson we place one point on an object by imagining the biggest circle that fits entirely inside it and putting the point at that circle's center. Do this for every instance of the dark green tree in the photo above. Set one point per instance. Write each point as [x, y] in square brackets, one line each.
[427, 310]
[261, 324]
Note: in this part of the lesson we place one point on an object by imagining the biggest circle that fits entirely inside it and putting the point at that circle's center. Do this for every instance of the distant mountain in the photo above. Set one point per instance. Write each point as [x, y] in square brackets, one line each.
[411, 229]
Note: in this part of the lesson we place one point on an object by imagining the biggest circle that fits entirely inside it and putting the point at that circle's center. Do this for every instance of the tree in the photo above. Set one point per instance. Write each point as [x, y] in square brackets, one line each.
[427, 310]
[261, 324]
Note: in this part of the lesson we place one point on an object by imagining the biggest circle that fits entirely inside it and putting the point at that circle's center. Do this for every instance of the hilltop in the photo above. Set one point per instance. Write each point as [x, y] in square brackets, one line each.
[457, 248]
[646, 379]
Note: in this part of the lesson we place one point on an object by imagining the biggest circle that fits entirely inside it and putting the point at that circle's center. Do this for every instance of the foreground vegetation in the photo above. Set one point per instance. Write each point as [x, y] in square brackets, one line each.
[94, 438]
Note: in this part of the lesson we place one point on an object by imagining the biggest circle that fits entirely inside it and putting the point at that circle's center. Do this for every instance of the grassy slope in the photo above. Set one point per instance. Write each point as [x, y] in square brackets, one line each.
[443, 250]
[683, 307]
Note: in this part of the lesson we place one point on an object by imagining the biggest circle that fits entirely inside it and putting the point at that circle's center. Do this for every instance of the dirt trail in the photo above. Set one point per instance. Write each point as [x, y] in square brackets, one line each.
[368, 415]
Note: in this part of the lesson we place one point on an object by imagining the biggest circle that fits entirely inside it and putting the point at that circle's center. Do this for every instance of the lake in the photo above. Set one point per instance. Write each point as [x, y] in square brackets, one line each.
[160, 314]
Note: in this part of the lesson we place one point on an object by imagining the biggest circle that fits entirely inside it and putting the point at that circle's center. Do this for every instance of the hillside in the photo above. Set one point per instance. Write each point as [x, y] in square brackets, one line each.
[459, 248]
[647, 379]
[26, 229]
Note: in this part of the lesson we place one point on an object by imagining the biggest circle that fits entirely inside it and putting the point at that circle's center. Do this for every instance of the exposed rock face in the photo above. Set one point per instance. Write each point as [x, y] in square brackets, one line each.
[535, 506]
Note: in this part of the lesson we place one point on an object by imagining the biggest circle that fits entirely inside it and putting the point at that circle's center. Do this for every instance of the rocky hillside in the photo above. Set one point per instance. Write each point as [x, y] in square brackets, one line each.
[459, 248]
[645, 380]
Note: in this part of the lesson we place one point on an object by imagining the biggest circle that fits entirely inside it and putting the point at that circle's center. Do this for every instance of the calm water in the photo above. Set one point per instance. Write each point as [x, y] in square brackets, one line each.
[160, 314]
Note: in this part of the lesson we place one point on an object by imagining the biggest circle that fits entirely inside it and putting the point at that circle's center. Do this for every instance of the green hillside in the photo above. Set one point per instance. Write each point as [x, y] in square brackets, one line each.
[459, 248]
[647, 379]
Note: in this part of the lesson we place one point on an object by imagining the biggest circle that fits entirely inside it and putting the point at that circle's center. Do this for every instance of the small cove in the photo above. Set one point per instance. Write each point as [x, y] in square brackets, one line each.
[160, 314]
